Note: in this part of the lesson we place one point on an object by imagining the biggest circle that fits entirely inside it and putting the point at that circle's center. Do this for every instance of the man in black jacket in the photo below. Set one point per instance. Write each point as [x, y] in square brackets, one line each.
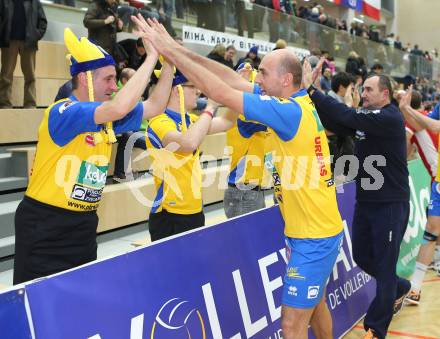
[382, 189]
[22, 24]
[103, 23]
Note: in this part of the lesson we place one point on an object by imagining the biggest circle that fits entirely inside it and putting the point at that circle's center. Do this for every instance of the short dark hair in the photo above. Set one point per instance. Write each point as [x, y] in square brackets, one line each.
[231, 47]
[75, 79]
[341, 79]
[416, 100]
[384, 83]
[75, 82]
[377, 66]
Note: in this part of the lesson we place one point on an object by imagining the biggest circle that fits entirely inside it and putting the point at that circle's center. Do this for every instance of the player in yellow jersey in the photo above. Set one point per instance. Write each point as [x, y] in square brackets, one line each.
[55, 224]
[174, 149]
[305, 190]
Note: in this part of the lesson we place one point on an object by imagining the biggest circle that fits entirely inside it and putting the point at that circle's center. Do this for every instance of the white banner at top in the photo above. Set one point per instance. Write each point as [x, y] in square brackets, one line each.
[206, 37]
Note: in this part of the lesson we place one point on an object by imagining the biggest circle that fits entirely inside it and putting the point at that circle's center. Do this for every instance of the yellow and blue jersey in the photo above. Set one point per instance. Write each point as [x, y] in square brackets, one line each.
[303, 181]
[177, 176]
[70, 168]
[247, 142]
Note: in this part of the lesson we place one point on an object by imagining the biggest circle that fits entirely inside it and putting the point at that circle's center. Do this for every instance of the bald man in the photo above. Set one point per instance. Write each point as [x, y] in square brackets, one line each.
[303, 181]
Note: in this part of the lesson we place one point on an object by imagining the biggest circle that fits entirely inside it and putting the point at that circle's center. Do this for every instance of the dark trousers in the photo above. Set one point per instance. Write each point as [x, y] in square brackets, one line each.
[164, 224]
[49, 239]
[8, 62]
[122, 161]
[245, 19]
[378, 230]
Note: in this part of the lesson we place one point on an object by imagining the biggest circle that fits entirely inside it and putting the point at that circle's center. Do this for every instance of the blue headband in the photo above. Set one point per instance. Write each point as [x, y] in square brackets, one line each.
[179, 78]
[78, 67]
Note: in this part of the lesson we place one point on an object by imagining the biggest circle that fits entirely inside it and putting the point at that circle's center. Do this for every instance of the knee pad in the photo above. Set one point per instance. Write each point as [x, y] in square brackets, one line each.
[429, 237]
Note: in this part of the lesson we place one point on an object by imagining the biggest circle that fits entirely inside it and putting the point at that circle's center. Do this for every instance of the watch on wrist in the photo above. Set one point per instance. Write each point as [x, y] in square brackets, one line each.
[312, 88]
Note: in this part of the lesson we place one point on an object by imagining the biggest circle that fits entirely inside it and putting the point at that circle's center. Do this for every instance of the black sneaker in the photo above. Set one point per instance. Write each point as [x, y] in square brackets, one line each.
[398, 304]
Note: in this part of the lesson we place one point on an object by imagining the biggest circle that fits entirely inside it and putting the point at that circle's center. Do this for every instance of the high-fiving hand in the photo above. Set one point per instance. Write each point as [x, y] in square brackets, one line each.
[310, 76]
[155, 33]
[405, 100]
[140, 32]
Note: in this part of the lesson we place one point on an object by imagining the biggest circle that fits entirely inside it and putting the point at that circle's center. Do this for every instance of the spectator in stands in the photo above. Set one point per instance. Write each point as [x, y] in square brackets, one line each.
[279, 104]
[129, 8]
[245, 17]
[376, 69]
[339, 85]
[166, 9]
[389, 41]
[103, 23]
[280, 44]
[55, 227]
[229, 56]
[356, 29]
[416, 50]
[398, 43]
[65, 2]
[121, 160]
[355, 65]
[218, 53]
[135, 50]
[210, 14]
[314, 15]
[344, 91]
[382, 210]
[252, 55]
[342, 25]
[326, 80]
[22, 25]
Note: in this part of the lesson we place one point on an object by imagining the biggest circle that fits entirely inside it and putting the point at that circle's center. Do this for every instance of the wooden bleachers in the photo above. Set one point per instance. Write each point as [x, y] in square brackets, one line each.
[20, 125]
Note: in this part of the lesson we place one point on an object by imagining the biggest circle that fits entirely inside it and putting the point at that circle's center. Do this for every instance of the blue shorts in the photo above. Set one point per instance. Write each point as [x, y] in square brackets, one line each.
[309, 265]
[434, 202]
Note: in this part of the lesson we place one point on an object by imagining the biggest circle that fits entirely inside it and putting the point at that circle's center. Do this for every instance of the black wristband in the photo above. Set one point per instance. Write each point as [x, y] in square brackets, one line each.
[312, 88]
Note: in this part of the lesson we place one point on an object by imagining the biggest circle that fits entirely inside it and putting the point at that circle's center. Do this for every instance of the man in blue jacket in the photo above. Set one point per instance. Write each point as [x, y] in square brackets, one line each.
[382, 189]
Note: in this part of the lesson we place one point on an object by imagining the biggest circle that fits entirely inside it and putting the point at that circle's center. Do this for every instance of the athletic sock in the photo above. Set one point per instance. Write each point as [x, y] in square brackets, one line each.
[437, 254]
[418, 276]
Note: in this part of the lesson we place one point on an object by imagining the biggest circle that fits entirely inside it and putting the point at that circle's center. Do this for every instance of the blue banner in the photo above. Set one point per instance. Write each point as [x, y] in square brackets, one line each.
[223, 281]
[353, 4]
[13, 318]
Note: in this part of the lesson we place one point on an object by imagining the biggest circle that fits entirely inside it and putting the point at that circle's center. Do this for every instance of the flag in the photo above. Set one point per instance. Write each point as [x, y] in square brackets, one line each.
[371, 8]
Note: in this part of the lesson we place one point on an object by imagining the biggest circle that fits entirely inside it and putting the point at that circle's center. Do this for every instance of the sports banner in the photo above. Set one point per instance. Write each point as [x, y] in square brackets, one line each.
[420, 186]
[223, 281]
[13, 318]
[207, 37]
[353, 4]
